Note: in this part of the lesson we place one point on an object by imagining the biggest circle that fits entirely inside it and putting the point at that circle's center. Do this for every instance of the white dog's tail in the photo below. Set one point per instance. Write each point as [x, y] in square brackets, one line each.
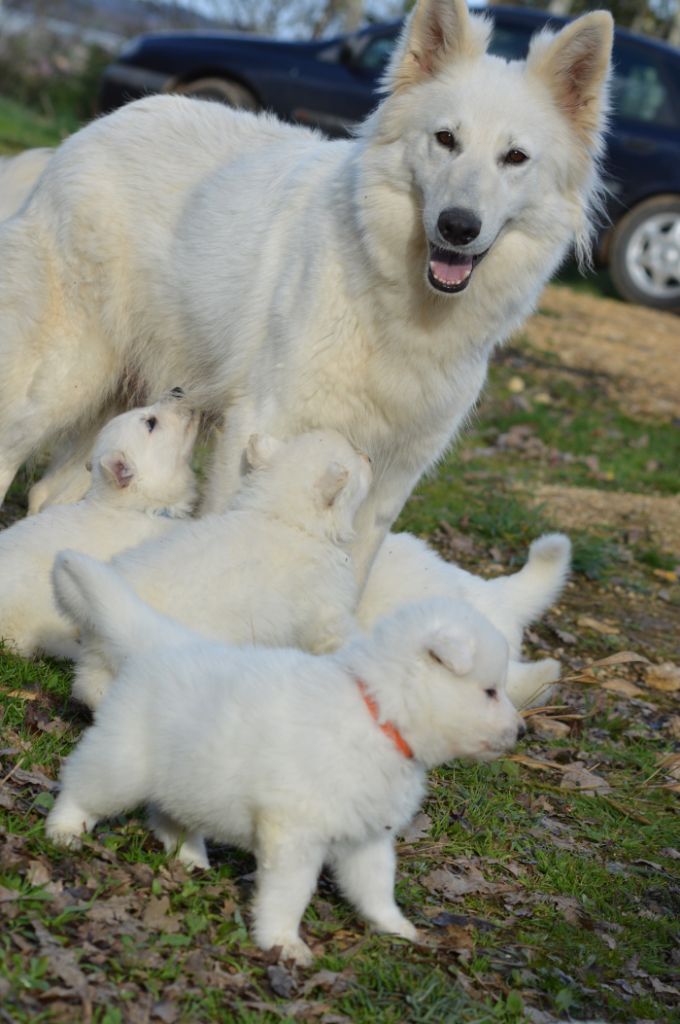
[540, 582]
[100, 602]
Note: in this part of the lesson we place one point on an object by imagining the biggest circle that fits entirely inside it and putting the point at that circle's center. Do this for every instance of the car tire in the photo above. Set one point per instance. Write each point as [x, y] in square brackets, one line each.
[644, 253]
[232, 93]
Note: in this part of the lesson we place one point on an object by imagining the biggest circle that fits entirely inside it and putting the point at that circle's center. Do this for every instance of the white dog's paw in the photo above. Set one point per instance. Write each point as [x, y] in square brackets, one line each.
[292, 948]
[193, 855]
[65, 825]
[397, 924]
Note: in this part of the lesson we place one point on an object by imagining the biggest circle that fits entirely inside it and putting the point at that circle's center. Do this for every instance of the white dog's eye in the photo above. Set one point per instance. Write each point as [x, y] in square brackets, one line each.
[151, 423]
[435, 657]
[446, 139]
[515, 157]
[493, 693]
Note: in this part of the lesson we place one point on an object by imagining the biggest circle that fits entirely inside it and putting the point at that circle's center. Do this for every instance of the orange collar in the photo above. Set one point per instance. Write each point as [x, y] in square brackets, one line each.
[388, 728]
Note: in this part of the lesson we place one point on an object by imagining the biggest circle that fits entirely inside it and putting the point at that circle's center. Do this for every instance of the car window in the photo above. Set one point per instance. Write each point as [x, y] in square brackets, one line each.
[510, 42]
[639, 92]
[376, 55]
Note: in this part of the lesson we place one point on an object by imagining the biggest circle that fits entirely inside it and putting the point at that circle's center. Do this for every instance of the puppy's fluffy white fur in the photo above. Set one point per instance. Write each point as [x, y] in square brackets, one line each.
[276, 750]
[273, 570]
[406, 570]
[137, 473]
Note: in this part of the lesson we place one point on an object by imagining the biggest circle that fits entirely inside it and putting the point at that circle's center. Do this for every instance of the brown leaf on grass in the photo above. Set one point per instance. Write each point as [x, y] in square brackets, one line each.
[417, 829]
[34, 778]
[166, 1011]
[605, 626]
[335, 982]
[466, 878]
[577, 776]
[64, 964]
[665, 677]
[112, 911]
[38, 873]
[9, 895]
[157, 918]
[547, 728]
[281, 981]
[623, 687]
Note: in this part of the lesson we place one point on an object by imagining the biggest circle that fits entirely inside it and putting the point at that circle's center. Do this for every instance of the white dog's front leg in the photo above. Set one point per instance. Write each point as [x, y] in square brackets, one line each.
[366, 873]
[375, 517]
[288, 866]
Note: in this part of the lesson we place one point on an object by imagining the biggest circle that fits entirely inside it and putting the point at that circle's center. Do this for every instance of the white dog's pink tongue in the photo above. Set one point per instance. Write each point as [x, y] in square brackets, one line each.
[451, 273]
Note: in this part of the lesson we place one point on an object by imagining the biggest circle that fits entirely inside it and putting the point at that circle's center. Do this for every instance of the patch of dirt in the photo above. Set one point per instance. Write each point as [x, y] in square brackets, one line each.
[654, 517]
[636, 349]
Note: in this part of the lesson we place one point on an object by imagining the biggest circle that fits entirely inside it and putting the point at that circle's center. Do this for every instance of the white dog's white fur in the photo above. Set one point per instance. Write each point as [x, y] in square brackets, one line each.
[407, 570]
[272, 570]
[141, 481]
[276, 750]
[285, 278]
[18, 176]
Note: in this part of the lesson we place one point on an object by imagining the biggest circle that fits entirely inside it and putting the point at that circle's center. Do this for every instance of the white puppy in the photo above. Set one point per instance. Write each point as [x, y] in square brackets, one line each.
[273, 570]
[407, 570]
[141, 481]
[304, 760]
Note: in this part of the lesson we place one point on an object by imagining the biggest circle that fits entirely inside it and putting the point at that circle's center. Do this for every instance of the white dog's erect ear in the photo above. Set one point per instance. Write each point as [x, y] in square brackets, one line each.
[332, 482]
[453, 649]
[437, 32]
[117, 469]
[575, 65]
[260, 450]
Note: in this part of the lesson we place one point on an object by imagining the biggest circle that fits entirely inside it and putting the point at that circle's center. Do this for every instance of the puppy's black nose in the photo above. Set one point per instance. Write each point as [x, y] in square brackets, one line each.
[521, 730]
[177, 392]
[458, 225]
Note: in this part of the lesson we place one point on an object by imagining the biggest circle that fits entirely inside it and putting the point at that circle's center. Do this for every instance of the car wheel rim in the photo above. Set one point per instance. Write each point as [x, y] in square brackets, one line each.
[653, 256]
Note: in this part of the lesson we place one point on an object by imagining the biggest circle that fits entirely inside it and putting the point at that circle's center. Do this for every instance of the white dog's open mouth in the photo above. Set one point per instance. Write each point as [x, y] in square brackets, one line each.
[450, 271]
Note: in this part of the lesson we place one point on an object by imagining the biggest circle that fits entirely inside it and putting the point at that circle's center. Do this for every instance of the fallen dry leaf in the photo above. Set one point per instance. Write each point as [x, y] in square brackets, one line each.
[605, 627]
[156, 915]
[419, 828]
[622, 687]
[467, 878]
[548, 728]
[577, 776]
[664, 677]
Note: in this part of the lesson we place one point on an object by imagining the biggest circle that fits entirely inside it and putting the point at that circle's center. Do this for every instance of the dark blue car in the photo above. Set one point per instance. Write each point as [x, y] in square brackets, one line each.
[332, 84]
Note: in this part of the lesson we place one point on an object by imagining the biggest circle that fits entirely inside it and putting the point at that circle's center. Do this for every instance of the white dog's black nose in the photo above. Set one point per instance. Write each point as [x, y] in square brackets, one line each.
[458, 226]
[521, 730]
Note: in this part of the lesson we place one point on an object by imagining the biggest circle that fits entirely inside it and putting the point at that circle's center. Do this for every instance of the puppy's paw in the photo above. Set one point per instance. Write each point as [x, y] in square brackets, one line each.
[397, 924]
[66, 825]
[293, 949]
[193, 857]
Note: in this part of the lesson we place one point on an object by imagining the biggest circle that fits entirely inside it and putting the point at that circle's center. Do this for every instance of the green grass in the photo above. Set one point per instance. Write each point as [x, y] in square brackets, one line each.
[21, 128]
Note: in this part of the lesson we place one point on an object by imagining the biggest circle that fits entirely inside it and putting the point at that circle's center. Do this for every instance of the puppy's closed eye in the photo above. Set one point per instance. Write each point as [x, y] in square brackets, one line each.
[492, 692]
[435, 657]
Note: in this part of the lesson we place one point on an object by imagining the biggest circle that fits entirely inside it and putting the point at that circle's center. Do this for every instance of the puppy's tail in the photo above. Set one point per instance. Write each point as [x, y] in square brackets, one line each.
[540, 582]
[101, 603]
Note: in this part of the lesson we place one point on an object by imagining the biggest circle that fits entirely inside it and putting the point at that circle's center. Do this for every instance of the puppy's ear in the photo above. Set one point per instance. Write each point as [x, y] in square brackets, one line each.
[453, 649]
[260, 450]
[117, 469]
[332, 483]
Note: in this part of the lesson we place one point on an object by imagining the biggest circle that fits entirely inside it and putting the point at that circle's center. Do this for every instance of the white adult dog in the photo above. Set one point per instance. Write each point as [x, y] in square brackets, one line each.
[18, 175]
[407, 570]
[297, 282]
[272, 570]
[141, 481]
[304, 760]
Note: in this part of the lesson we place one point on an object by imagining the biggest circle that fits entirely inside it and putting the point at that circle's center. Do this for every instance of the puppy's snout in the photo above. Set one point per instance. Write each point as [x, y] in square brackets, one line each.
[458, 226]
